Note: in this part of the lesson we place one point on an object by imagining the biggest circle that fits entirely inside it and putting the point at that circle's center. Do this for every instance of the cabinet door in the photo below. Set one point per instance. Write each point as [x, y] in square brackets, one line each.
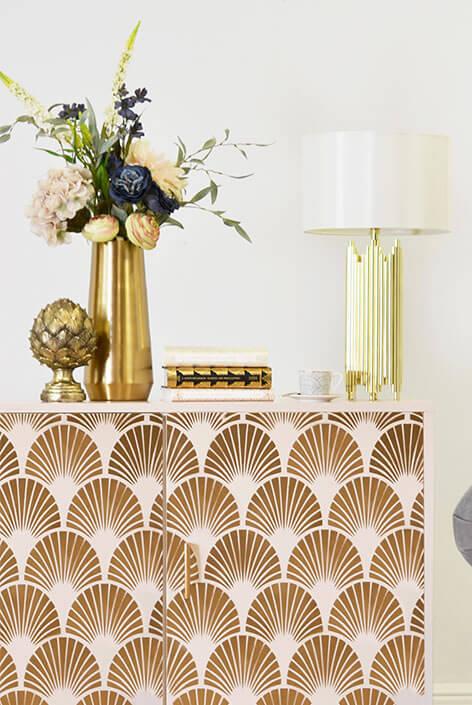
[81, 569]
[306, 563]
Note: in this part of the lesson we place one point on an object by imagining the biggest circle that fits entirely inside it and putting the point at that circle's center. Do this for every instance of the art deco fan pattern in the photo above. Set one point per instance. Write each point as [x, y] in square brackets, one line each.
[212, 559]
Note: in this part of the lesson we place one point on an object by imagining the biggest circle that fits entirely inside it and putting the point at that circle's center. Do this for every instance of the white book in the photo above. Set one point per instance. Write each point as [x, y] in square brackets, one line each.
[207, 357]
[217, 394]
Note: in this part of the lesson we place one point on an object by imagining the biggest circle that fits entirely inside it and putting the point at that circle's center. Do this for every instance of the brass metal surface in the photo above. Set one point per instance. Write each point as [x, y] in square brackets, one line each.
[187, 564]
[373, 319]
[121, 369]
[63, 338]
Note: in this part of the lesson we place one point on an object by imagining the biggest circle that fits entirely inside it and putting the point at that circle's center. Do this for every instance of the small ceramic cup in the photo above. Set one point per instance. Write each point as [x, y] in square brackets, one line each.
[319, 382]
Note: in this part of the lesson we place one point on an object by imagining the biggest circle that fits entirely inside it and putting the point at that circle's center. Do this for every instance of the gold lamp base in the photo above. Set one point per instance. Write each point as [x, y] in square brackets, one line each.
[63, 388]
[373, 319]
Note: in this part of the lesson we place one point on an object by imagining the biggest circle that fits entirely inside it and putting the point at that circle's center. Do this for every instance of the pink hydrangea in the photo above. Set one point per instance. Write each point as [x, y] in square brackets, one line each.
[58, 199]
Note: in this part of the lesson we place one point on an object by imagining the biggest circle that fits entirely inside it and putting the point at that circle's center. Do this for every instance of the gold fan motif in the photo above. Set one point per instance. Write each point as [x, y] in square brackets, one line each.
[284, 609]
[399, 452]
[9, 572]
[8, 675]
[400, 559]
[105, 504]
[138, 454]
[63, 557]
[417, 512]
[94, 421]
[104, 610]
[271, 420]
[9, 464]
[399, 665]
[36, 421]
[242, 662]
[64, 451]
[137, 668]
[353, 420]
[199, 503]
[242, 556]
[325, 556]
[242, 450]
[187, 420]
[138, 560]
[417, 617]
[208, 611]
[25, 611]
[26, 506]
[366, 608]
[284, 503]
[201, 696]
[367, 696]
[182, 460]
[283, 696]
[21, 697]
[325, 662]
[366, 503]
[103, 697]
[325, 450]
[62, 664]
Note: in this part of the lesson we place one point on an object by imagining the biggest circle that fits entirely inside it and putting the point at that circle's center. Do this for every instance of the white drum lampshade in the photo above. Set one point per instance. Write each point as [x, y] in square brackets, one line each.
[369, 183]
[356, 181]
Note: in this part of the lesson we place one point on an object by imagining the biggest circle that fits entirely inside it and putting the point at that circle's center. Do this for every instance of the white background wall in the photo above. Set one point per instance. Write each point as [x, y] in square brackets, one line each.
[271, 70]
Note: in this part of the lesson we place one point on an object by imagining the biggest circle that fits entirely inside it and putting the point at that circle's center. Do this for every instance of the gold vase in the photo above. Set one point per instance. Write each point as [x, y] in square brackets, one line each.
[121, 369]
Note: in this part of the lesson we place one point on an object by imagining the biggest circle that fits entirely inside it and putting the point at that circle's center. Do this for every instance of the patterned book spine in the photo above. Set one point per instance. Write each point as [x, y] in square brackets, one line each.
[198, 377]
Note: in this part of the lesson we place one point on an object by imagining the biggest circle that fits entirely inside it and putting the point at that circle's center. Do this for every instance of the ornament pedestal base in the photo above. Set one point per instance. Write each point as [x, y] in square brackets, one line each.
[63, 388]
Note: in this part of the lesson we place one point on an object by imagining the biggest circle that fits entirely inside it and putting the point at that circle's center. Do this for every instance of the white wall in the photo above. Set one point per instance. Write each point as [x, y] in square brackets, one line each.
[271, 70]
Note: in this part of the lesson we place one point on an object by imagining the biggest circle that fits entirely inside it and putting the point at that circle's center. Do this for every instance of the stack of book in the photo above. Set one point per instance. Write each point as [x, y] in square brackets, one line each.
[216, 374]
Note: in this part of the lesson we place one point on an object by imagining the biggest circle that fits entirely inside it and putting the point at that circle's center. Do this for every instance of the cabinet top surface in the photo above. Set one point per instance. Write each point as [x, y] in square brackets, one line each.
[279, 405]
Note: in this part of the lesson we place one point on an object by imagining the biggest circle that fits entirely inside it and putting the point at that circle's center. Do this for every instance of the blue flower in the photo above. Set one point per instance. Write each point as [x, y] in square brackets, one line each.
[159, 202]
[129, 183]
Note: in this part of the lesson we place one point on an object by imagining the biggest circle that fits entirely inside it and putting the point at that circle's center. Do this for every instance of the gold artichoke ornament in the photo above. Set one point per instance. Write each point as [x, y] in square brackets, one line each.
[63, 338]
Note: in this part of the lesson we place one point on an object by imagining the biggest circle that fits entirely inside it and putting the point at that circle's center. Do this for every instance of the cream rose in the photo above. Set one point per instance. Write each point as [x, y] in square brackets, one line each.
[169, 177]
[101, 228]
[142, 230]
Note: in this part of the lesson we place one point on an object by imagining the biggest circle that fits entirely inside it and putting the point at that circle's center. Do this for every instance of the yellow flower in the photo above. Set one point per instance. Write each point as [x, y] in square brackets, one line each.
[142, 230]
[169, 177]
[101, 228]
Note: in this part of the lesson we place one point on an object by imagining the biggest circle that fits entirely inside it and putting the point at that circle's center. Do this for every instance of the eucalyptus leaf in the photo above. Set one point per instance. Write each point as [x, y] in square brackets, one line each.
[213, 191]
[173, 221]
[240, 230]
[209, 143]
[4, 138]
[226, 134]
[200, 195]
[5, 128]
[239, 176]
[241, 150]
[25, 118]
[180, 155]
[106, 145]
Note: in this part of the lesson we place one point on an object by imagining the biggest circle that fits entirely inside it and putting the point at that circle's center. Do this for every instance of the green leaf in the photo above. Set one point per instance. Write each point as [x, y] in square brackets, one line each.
[68, 159]
[106, 145]
[209, 144]
[173, 221]
[5, 128]
[241, 176]
[180, 155]
[184, 148]
[230, 222]
[53, 121]
[119, 213]
[103, 181]
[4, 138]
[92, 123]
[240, 230]
[226, 134]
[213, 191]
[241, 150]
[200, 195]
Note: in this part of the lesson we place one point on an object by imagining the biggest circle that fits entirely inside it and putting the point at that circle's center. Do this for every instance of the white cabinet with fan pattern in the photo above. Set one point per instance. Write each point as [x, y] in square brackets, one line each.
[262, 554]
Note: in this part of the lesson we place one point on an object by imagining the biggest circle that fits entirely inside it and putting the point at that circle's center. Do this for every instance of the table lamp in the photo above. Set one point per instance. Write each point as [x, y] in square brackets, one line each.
[369, 183]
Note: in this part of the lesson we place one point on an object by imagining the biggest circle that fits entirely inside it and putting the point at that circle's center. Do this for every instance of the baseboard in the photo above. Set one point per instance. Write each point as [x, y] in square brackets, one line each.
[452, 694]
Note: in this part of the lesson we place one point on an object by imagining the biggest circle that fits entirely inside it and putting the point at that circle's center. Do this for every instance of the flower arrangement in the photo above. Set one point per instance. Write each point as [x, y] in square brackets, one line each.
[113, 183]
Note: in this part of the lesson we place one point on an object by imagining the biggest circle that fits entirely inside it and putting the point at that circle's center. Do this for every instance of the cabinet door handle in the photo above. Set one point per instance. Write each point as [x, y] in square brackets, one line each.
[187, 569]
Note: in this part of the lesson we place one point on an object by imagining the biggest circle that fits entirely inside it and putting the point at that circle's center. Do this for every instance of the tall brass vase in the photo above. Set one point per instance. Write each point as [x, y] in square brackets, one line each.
[121, 369]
